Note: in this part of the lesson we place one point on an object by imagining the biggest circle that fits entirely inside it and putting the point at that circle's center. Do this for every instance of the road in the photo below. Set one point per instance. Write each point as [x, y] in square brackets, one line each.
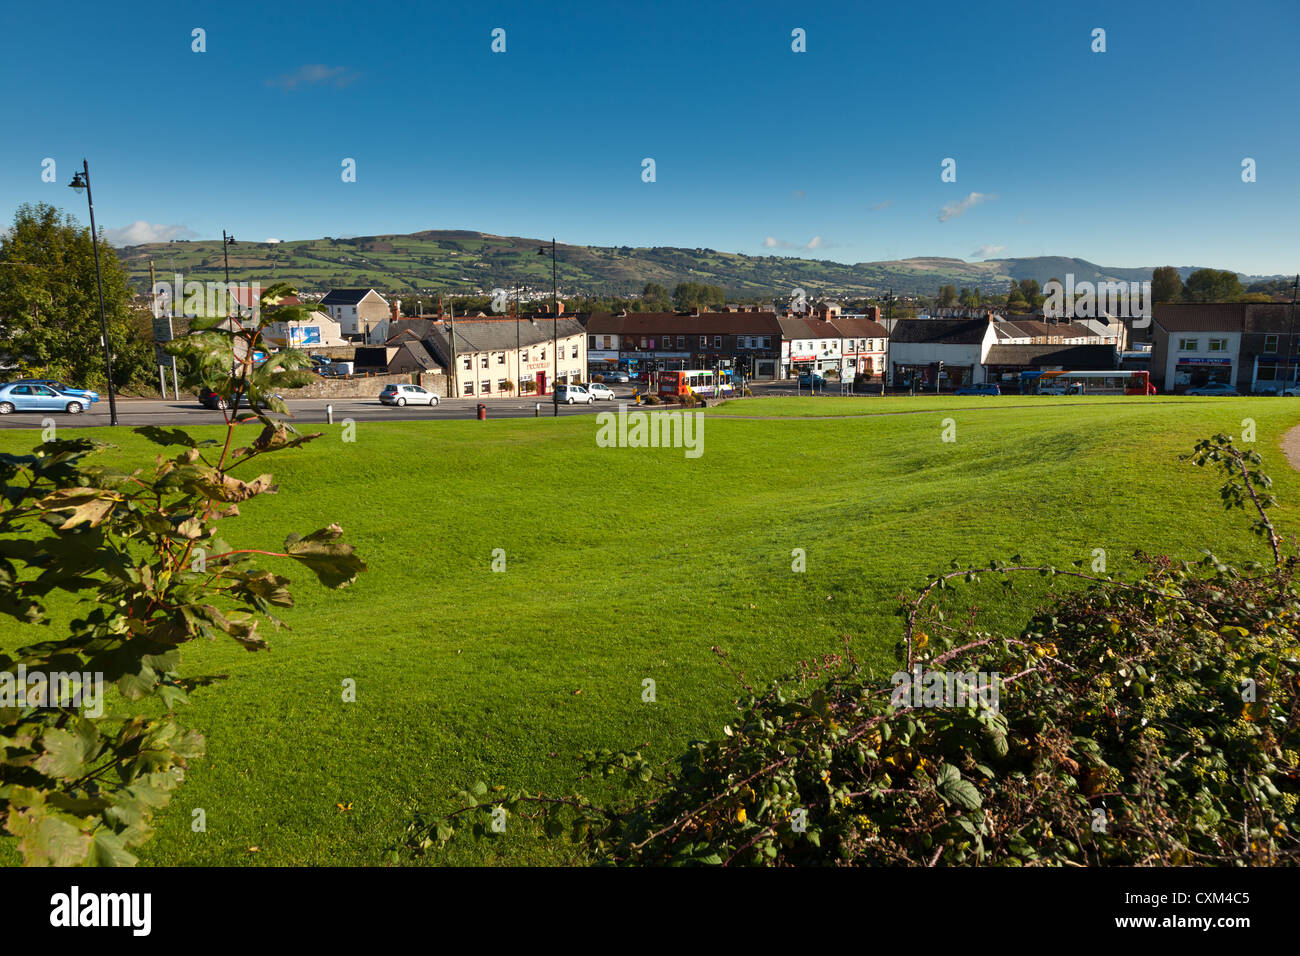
[133, 412]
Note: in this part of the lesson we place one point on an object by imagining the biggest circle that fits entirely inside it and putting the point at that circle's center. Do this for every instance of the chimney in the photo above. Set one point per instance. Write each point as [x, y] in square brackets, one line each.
[695, 311]
[439, 307]
[395, 309]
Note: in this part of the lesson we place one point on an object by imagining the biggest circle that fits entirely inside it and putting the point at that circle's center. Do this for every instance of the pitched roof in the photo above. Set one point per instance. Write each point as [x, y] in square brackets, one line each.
[346, 296]
[860, 328]
[941, 331]
[799, 327]
[1034, 328]
[421, 355]
[1076, 358]
[494, 335]
[1269, 317]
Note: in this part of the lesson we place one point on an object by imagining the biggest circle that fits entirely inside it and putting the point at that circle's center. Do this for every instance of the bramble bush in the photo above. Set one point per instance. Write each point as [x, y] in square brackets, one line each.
[144, 553]
[1145, 722]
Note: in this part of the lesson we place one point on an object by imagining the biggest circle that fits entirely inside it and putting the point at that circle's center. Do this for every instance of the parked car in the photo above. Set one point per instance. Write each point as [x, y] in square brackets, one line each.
[90, 395]
[407, 395]
[1214, 388]
[620, 376]
[600, 392]
[809, 377]
[571, 394]
[989, 389]
[317, 359]
[30, 397]
[338, 368]
[210, 399]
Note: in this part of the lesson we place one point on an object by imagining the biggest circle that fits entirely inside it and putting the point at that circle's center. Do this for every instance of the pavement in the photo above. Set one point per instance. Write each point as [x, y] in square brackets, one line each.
[134, 412]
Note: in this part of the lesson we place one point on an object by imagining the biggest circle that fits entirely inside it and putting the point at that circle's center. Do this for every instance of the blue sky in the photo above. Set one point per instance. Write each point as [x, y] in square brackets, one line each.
[1130, 157]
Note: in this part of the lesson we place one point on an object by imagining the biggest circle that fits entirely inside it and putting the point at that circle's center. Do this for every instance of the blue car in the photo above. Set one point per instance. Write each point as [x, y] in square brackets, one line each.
[89, 395]
[808, 378]
[979, 390]
[31, 397]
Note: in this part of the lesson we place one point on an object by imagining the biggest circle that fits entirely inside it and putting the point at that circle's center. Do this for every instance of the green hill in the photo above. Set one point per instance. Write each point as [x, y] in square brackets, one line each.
[474, 262]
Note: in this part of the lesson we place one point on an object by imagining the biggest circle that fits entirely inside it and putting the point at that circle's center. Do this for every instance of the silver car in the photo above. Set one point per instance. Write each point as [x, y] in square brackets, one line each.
[601, 392]
[571, 394]
[407, 395]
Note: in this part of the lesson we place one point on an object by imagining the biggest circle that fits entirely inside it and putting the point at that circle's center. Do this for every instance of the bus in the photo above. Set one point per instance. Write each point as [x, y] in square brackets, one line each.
[705, 383]
[1114, 382]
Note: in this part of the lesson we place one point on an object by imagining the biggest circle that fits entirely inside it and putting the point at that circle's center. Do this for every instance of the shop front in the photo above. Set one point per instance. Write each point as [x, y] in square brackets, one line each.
[1272, 371]
[1199, 372]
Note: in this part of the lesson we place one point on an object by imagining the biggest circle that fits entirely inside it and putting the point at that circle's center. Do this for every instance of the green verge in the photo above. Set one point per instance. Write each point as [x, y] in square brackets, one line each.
[625, 564]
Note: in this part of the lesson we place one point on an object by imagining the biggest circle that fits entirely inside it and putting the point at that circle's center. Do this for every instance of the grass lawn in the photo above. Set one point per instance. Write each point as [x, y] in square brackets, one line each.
[624, 564]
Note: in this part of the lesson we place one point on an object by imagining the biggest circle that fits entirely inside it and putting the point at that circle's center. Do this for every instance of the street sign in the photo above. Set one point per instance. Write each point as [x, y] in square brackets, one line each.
[163, 333]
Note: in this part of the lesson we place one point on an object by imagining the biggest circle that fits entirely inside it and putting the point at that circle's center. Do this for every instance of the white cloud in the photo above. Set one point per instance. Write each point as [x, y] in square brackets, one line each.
[986, 252]
[140, 232]
[883, 205]
[273, 240]
[314, 74]
[955, 209]
[816, 242]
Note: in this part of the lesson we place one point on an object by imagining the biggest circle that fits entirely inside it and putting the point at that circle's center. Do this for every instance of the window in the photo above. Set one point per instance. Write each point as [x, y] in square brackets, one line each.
[643, 341]
[591, 341]
[486, 385]
[468, 389]
[717, 341]
[543, 358]
[1189, 345]
[1218, 345]
[501, 359]
[1270, 343]
[483, 362]
[502, 383]
[609, 341]
[469, 363]
[681, 341]
[704, 341]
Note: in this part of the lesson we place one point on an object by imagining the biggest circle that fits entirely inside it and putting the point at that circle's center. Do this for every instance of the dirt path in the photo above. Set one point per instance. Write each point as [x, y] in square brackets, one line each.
[1291, 447]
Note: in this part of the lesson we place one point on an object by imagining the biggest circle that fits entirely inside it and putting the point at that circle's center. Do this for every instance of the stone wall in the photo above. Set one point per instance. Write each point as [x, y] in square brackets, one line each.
[366, 386]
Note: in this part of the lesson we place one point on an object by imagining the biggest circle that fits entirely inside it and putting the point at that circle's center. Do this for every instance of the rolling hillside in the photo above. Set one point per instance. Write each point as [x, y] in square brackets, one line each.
[474, 262]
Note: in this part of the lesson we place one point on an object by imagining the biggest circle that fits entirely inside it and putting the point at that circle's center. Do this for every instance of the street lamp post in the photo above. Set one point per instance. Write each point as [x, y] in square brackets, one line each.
[79, 182]
[226, 243]
[555, 330]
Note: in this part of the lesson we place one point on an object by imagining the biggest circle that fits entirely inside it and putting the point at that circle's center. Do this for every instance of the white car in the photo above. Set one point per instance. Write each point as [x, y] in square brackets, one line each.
[571, 394]
[601, 392]
[407, 395]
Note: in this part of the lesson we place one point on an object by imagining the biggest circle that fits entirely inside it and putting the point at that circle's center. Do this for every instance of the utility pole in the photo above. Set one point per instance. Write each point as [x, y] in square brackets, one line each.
[455, 372]
[1290, 339]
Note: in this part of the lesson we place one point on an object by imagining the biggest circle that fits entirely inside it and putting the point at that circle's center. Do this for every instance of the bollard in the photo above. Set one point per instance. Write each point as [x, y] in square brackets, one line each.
[482, 412]
[537, 410]
[329, 414]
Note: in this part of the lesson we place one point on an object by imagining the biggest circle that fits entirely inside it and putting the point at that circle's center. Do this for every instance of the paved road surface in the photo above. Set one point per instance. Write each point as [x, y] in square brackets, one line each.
[132, 412]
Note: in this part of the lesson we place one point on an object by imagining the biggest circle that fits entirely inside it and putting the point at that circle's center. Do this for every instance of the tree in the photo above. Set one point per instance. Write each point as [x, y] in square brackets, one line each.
[49, 304]
[1166, 285]
[947, 297]
[1029, 288]
[688, 295]
[1212, 285]
[142, 558]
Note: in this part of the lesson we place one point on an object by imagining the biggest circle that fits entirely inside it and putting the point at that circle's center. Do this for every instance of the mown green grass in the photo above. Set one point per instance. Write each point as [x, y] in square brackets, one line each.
[624, 564]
